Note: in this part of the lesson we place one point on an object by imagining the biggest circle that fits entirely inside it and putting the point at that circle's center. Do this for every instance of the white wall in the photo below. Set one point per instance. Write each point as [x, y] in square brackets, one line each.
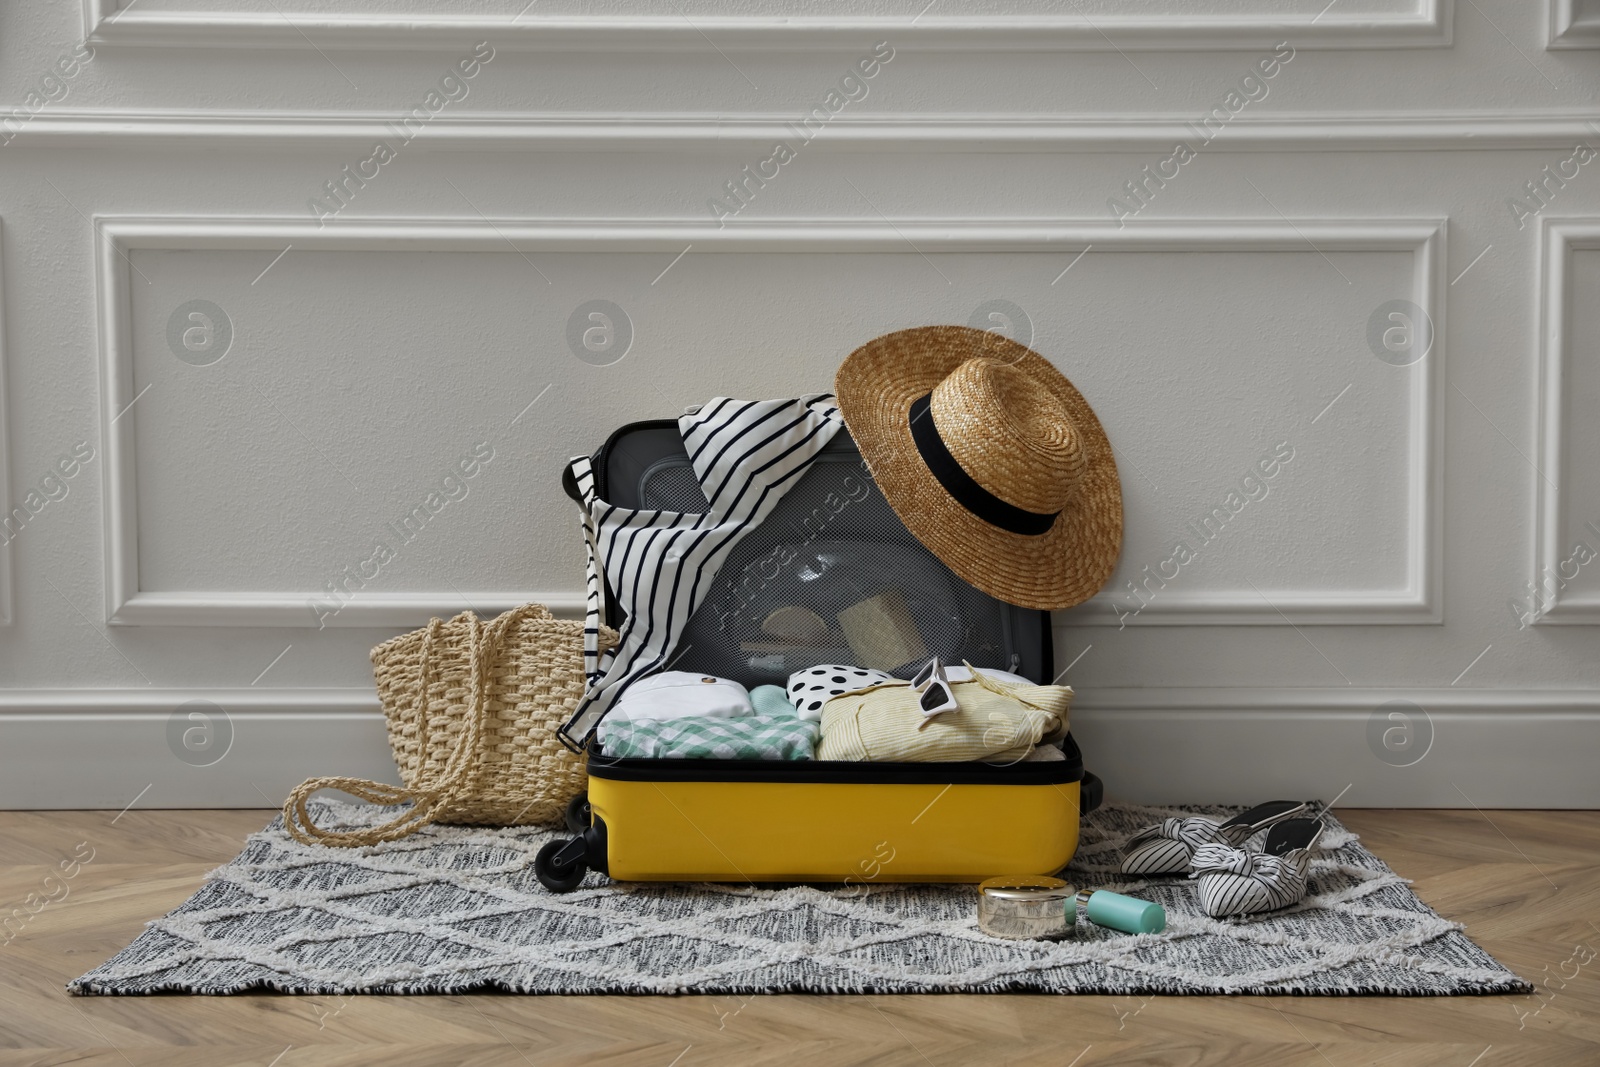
[171, 153]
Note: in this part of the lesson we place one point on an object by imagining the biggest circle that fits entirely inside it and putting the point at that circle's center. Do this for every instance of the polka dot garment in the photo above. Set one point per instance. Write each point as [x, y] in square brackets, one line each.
[813, 687]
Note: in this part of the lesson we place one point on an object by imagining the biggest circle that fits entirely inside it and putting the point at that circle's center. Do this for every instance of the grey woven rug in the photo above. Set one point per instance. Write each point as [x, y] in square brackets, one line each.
[456, 908]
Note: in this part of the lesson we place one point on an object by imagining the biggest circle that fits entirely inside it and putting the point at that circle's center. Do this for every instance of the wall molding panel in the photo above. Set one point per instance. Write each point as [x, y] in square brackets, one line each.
[269, 130]
[128, 604]
[1419, 601]
[1487, 748]
[1574, 24]
[1558, 239]
[1427, 24]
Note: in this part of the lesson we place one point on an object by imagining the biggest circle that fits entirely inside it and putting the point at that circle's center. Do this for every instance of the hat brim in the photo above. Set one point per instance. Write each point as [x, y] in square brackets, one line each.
[1060, 568]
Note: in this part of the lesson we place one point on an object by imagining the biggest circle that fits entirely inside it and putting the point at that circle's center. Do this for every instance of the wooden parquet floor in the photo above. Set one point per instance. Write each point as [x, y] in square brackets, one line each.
[1526, 884]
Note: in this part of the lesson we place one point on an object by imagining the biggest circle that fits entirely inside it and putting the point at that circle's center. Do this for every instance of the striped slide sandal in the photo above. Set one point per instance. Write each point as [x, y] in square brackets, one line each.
[1234, 882]
[1168, 847]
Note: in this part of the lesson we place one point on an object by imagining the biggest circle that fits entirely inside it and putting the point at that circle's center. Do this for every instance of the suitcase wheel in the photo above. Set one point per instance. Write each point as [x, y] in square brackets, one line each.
[577, 816]
[557, 872]
[1091, 792]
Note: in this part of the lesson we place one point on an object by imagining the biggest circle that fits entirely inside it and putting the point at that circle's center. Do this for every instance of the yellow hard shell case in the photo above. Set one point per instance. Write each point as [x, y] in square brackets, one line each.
[814, 831]
[834, 546]
[818, 821]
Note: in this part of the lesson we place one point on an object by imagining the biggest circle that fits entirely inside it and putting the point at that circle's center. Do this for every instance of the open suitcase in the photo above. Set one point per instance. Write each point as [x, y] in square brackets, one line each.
[832, 545]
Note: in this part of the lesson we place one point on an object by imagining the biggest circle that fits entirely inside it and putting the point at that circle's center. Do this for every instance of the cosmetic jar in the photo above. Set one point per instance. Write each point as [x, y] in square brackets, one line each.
[1026, 906]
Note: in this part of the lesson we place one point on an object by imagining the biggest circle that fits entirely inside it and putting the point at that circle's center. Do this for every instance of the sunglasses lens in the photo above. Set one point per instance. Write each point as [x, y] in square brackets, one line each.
[936, 697]
[922, 677]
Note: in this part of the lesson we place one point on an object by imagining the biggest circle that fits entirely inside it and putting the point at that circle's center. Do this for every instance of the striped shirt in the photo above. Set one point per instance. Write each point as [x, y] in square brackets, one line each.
[660, 565]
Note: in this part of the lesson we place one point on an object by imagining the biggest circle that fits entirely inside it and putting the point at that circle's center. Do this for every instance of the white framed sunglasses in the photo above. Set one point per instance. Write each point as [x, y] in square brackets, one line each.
[934, 695]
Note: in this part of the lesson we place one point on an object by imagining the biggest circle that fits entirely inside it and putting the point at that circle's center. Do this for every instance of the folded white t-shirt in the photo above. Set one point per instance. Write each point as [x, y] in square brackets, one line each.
[675, 694]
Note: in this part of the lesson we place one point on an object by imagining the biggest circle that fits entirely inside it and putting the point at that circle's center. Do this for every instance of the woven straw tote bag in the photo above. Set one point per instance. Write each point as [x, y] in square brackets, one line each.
[472, 709]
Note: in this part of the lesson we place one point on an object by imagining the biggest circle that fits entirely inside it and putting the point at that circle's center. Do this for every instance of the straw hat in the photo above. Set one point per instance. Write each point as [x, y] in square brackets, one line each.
[991, 458]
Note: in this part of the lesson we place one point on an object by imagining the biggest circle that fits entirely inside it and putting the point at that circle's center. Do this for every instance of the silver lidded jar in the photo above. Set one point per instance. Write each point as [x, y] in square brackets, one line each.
[1027, 906]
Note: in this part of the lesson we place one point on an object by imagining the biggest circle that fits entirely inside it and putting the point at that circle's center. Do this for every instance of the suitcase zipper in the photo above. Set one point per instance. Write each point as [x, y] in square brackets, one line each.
[1026, 772]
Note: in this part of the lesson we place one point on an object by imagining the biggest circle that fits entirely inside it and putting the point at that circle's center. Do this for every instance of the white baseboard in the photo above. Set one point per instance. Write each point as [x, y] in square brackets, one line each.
[108, 749]
[101, 749]
[1489, 748]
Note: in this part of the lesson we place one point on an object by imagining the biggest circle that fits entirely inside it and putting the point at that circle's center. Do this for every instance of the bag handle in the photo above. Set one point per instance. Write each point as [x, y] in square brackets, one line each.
[578, 479]
[580, 471]
[427, 798]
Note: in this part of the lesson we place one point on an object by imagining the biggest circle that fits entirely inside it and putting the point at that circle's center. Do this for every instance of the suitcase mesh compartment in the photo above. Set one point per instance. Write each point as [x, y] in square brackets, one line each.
[833, 576]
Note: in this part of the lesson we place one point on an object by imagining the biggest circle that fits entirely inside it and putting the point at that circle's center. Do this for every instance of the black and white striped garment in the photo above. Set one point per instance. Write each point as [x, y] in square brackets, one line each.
[660, 564]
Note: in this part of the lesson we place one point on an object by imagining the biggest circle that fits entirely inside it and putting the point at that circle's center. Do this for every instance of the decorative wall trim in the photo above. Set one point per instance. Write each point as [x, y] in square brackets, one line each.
[1487, 748]
[1419, 601]
[1558, 238]
[267, 130]
[7, 501]
[1428, 25]
[128, 604]
[1574, 24]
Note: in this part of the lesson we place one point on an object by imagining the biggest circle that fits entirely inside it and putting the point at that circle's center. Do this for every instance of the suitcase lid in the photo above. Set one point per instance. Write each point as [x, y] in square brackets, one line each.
[831, 576]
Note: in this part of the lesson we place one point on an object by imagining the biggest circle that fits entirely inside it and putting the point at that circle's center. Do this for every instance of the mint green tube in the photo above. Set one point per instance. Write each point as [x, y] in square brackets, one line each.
[1117, 912]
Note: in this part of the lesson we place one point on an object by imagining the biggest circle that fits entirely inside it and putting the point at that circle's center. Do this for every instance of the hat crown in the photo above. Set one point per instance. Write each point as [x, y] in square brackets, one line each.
[1010, 433]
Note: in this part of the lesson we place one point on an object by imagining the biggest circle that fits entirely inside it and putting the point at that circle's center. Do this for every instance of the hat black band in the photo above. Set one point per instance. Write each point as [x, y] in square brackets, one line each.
[961, 486]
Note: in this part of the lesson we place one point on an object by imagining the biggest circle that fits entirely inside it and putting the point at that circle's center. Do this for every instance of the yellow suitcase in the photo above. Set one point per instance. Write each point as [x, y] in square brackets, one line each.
[652, 820]
[833, 547]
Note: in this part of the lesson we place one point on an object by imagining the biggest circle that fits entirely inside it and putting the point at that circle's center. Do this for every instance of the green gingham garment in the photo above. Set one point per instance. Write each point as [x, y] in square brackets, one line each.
[707, 737]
